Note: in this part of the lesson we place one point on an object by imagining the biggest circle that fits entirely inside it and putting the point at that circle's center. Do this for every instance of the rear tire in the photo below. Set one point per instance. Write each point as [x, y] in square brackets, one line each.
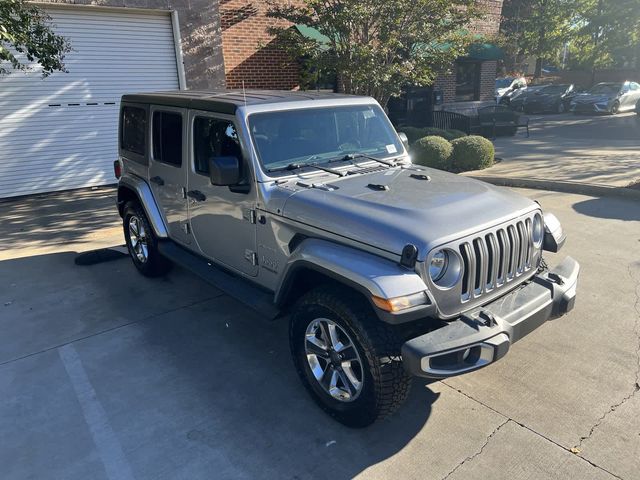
[142, 243]
[335, 334]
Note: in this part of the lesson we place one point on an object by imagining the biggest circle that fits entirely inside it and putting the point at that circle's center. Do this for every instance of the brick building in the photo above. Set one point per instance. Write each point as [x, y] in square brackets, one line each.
[250, 56]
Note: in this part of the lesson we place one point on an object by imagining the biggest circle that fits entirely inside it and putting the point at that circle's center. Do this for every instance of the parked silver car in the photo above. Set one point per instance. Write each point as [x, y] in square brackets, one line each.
[607, 97]
[307, 207]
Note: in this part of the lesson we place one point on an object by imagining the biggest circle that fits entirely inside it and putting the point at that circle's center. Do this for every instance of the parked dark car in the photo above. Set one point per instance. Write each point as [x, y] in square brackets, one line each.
[607, 98]
[549, 98]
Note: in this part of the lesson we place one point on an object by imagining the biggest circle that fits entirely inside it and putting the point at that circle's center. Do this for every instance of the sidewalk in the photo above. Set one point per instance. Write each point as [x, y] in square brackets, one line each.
[571, 153]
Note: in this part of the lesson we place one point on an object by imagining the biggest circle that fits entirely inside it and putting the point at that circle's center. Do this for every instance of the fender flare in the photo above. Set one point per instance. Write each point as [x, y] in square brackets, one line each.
[143, 192]
[368, 273]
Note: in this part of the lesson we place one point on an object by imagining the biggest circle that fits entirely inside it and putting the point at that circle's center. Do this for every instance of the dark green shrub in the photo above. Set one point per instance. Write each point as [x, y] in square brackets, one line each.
[434, 132]
[413, 133]
[472, 153]
[452, 134]
[432, 151]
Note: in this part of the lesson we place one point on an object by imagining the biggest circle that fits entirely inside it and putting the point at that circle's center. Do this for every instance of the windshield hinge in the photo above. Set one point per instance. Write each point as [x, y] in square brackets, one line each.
[249, 215]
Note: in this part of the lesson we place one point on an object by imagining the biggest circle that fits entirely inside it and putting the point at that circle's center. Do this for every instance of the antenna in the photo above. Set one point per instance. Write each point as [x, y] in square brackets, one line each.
[244, 94]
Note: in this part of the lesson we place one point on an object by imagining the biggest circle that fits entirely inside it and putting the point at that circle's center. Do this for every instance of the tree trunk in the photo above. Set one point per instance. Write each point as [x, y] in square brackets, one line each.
[538, 71]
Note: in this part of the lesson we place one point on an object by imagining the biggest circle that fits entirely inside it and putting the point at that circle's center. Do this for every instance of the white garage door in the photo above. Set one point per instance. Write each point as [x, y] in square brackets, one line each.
[60, 132]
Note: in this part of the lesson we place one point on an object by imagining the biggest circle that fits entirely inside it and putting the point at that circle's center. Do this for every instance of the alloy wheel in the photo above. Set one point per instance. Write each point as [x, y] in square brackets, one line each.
[139, 239]
[334, 360]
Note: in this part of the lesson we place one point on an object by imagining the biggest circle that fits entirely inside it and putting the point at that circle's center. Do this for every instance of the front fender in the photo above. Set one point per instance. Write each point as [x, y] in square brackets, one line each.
[365, 272]
[143, 192]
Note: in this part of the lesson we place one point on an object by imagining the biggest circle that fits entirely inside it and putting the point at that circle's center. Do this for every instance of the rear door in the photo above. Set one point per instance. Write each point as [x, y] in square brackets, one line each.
[222, 219]
[167, 168]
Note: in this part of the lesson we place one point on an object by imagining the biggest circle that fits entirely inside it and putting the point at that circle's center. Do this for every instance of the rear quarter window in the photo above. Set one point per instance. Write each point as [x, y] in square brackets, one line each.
[133, 132]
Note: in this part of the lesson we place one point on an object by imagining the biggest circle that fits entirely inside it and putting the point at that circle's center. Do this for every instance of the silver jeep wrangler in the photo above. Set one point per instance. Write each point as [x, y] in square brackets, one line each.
[307, 206]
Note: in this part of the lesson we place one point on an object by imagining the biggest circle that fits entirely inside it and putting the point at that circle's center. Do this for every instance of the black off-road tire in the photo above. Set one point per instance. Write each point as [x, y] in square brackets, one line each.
[615, 108]
[386, 384]
[155, 264]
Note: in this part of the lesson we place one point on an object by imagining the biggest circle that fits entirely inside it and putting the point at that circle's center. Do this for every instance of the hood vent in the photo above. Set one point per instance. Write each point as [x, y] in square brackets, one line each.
[377, 187]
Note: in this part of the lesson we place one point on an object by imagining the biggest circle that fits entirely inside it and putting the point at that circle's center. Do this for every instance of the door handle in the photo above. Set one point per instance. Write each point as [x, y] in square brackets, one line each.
[197, 195]
[157, 180]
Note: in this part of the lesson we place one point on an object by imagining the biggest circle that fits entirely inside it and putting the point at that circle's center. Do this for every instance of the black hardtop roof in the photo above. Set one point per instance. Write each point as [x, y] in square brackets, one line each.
[224, 101]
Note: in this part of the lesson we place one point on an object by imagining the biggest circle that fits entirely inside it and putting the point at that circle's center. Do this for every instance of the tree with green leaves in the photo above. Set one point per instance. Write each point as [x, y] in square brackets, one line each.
[606, 34]
[26, 36]
[538, 28]
[377, 47]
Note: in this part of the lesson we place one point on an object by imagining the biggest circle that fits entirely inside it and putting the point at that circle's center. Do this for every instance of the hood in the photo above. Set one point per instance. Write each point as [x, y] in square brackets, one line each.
[426, 213]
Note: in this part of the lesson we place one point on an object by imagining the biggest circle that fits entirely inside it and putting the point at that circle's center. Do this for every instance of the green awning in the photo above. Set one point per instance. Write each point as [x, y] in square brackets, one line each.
[313, 34]
[485, 51]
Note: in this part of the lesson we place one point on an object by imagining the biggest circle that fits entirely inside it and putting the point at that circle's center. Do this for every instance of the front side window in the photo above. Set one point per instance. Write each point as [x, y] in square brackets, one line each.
[213, 138]
[319, 135]
[467, 81]
[133, 130]
[167, 138]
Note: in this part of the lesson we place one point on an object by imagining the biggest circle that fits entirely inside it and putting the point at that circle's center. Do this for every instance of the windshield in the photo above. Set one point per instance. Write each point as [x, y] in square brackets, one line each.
[503, 82]
[554, 89]
[318, 135]
[605, 88]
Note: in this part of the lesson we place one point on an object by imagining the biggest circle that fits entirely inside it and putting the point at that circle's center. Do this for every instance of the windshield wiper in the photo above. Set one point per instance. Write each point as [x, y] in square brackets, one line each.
[352, 156]
[297, 166]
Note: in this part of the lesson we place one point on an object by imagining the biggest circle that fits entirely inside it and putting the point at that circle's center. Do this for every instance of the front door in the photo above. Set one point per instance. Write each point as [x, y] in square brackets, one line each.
[167, 169]
[222, 219]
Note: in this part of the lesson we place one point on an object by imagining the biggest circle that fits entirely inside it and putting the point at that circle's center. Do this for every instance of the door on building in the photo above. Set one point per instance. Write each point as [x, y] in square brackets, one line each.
[60, 132]
[223, 219]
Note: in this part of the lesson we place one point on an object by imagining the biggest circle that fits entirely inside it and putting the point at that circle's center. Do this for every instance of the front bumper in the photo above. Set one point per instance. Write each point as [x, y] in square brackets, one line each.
[483, 335]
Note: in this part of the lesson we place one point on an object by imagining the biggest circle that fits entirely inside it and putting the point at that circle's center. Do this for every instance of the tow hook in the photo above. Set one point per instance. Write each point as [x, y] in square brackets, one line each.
[554, 277]
[489, 319]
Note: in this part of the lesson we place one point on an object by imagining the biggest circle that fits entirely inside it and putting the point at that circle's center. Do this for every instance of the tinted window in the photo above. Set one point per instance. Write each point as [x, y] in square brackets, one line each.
[467, 81]
[134, 126]
[213, 138]
[167, 138]
[606, 88]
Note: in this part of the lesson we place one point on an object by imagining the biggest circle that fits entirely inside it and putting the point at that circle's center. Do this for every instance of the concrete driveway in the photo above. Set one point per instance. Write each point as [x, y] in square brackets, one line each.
[581, 149]
[105, 374]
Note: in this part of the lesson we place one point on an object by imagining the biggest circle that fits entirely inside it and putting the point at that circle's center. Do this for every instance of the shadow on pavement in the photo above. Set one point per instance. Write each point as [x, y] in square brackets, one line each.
[610, 208]
[193, 383]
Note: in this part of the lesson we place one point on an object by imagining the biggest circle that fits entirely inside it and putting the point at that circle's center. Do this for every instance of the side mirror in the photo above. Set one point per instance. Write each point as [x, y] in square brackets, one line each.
[404, 139]
[224, 171]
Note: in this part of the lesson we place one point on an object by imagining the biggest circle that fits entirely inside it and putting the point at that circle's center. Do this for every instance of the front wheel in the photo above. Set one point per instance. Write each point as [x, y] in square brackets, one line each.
[561, 108]
[615, 108]
[348, 359]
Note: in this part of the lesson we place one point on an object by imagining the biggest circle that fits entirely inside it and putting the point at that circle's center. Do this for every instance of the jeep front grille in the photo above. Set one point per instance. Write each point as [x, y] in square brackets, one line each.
[492, 262]
[496, 258]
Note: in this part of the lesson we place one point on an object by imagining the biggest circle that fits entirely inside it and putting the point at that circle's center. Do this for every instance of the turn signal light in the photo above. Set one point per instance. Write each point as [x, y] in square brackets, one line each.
[400, 303]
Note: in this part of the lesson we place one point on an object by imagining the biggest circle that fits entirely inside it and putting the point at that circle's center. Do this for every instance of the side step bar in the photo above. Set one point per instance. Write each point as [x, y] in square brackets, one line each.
[236, 287]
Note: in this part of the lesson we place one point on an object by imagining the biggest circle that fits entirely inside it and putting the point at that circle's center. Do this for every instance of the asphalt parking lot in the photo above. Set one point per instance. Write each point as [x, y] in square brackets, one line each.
[105, 374]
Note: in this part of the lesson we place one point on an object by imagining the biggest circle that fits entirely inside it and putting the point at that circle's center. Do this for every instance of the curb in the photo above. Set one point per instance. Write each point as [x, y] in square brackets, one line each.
[560, 186]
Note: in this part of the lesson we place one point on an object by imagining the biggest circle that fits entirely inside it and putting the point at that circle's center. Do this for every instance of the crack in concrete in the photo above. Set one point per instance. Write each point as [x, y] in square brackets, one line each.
[636, 385]
[479, 452]
[509, 419]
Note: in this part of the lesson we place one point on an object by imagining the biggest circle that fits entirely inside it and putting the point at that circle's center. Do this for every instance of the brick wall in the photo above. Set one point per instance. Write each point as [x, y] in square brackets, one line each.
[250, 54]
[199, 24]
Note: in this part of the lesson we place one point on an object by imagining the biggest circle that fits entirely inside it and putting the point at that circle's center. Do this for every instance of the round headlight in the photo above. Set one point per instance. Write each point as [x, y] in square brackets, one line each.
[537, 230]
[438, 265]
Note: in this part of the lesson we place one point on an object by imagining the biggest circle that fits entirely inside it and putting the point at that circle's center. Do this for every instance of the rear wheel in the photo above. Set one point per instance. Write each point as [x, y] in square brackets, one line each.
[142, 243]
[348, 360]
